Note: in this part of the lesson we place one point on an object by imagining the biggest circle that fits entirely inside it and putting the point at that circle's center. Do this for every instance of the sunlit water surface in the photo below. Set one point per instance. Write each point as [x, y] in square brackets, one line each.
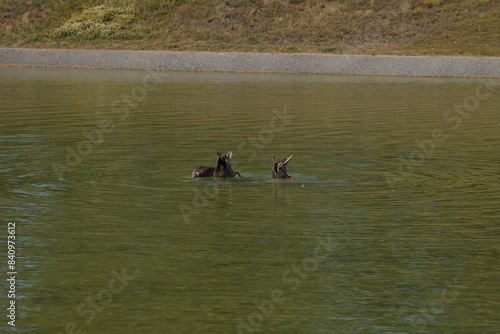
[392, 223]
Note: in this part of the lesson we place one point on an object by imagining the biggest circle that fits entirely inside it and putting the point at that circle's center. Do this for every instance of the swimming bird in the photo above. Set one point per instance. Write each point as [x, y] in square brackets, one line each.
[222, 168]
[279, 168]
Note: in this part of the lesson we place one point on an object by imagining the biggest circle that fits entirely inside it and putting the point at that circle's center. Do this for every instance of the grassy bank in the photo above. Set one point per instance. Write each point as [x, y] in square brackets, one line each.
[403, 27]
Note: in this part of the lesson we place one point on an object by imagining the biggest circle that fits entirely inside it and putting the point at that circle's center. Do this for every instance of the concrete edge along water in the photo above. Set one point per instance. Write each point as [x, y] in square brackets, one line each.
[416, 66]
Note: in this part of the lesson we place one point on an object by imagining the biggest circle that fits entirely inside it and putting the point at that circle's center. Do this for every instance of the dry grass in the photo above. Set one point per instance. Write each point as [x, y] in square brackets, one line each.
[407, 27]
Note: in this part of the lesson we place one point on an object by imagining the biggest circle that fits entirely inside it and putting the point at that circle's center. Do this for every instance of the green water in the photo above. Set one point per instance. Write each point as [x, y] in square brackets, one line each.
[391, 226]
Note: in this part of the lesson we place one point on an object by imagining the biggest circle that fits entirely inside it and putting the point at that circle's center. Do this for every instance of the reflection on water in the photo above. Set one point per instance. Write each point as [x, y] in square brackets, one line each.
[390, 226]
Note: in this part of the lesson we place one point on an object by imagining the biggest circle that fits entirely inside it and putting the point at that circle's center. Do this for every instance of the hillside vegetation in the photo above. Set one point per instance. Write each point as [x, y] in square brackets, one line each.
[406, 27]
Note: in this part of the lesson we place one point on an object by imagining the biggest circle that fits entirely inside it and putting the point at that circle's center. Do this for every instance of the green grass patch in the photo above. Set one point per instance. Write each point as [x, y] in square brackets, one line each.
[99, 22]
[326, 50]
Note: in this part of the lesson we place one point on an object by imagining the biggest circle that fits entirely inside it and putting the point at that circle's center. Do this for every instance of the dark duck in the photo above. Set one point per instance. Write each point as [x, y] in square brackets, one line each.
[279, 168]
[222, 168]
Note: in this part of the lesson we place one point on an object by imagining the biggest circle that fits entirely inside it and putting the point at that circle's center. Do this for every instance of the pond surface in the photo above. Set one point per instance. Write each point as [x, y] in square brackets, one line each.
[390, 226]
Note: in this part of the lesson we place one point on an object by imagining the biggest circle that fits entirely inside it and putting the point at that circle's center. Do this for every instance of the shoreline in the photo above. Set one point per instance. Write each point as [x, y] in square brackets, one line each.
[285, 63]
